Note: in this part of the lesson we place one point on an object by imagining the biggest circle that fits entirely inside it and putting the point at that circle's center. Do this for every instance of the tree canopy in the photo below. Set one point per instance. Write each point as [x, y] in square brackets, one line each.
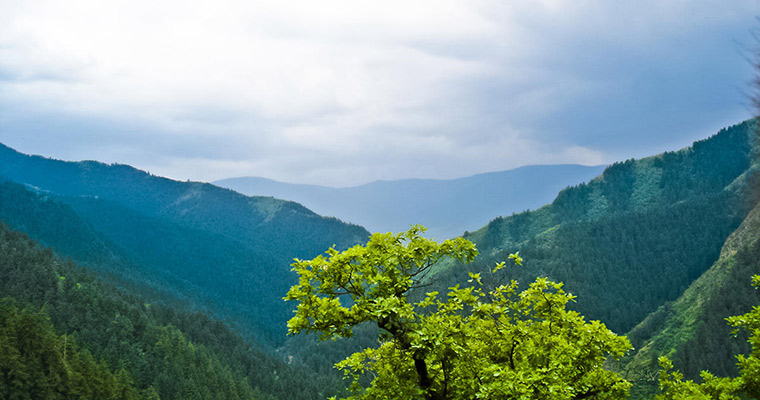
[485, 340]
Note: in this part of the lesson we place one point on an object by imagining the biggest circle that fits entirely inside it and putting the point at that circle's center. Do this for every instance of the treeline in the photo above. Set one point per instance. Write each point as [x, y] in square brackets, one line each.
[158, 351]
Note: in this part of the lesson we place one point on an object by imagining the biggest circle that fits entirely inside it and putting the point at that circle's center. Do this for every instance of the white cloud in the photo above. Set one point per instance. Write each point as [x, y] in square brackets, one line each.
[343, 91]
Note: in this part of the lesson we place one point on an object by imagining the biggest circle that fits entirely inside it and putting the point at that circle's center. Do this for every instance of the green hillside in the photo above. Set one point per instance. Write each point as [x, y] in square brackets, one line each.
[65, 334]
[633, 239]
[39, 364]
[692, 330]
[216, 249]
[636, 236]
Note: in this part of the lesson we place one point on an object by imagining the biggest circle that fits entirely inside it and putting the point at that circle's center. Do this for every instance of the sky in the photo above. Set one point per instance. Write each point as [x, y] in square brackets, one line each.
[345, 92]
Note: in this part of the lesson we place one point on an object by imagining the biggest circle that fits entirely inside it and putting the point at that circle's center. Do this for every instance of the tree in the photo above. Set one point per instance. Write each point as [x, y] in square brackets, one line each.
[471, 343]
[747, 384]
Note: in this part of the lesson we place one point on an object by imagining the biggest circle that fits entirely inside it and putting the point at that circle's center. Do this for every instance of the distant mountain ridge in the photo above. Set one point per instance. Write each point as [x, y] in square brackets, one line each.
[446, 207]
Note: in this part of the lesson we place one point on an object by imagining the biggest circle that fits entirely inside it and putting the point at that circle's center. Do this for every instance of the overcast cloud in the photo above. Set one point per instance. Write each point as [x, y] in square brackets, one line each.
[346, 92]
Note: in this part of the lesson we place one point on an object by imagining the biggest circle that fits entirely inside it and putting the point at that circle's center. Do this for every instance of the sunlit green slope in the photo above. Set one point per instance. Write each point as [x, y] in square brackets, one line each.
[692, 330]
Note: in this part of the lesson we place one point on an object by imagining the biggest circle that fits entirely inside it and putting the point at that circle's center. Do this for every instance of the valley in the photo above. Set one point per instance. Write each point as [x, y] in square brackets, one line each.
[446, 207]
[152, 278]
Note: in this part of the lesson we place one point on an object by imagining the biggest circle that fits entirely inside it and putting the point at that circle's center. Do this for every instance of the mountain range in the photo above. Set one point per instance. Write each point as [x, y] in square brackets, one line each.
[447, 208]
[659, 248]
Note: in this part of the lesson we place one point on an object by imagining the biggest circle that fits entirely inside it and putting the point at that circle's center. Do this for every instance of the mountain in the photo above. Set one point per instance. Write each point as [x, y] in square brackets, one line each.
[446, 207]
[261, 222]
[637, 243]
[66, 334]
[692, 330]
[633, 238]
[216, 249]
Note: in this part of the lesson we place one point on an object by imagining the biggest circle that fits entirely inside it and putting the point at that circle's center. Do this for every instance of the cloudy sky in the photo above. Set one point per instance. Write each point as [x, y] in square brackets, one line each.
[346, 92]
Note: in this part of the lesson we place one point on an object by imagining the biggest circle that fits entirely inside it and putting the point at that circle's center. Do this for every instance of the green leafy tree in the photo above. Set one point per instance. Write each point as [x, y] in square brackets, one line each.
[471, 343]
[747, 384]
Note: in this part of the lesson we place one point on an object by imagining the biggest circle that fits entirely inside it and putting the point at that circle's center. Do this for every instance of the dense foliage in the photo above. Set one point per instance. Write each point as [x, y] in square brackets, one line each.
[38, 364]
[164, 352]
[746, 385]
[472, 343]
[691, 331]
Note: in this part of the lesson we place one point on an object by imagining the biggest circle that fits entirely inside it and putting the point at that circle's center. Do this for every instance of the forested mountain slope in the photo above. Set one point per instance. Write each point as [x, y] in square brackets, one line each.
[446, 207]
[636, 236]
[65, 334]
[692, 330]
[39, 364]
[217, 249]
[263, 223]
[173, 262]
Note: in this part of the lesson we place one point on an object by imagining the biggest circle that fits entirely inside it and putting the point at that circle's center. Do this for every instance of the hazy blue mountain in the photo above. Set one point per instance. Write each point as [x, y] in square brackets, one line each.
[446, 207]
